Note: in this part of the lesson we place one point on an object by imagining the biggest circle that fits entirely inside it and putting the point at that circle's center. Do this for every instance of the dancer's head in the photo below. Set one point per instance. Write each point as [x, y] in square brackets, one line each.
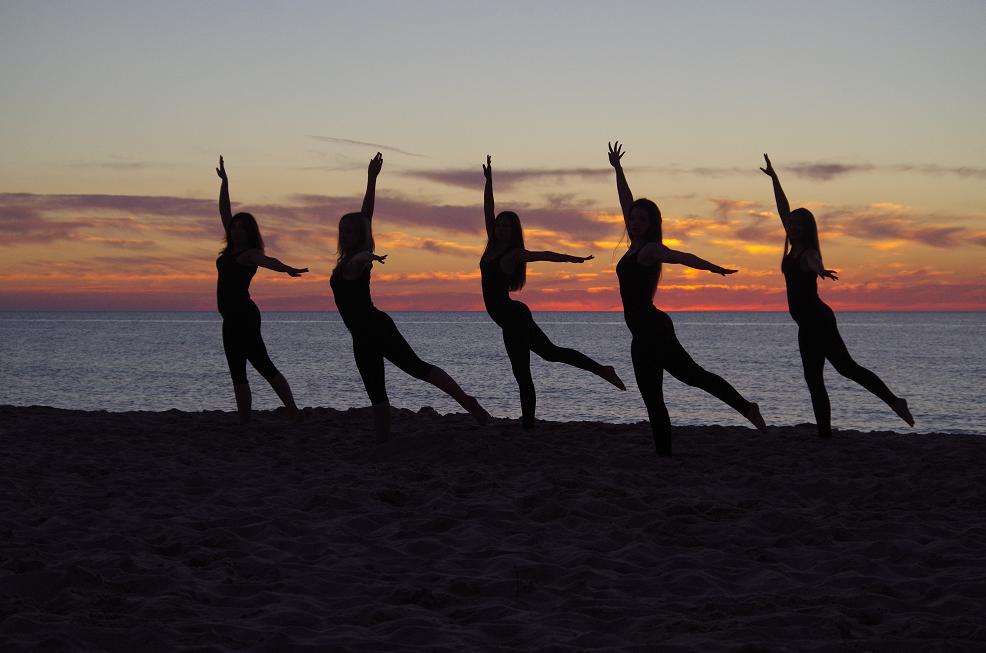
[507, 235]
[802, 232]
[354, 235]
[644, 221]
[243, 234]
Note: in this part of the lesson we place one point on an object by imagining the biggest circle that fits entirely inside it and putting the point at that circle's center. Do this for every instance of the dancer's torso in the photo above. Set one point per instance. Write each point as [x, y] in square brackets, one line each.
[233, 286]
[496, 290]
[803, 301]
[637, 283]
[352, 297]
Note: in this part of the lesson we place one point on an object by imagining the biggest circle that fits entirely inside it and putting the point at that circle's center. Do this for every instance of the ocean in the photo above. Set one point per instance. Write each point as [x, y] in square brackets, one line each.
[125, 361]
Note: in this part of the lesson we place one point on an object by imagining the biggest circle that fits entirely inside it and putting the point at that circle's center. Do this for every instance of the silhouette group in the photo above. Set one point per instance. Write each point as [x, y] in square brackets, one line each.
[654, 347]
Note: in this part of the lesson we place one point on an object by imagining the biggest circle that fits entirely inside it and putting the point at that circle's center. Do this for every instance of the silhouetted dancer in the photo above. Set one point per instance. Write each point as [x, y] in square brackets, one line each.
[504, 269]
[818, 335]
[375, 336]
[242, 342]
[655, 347]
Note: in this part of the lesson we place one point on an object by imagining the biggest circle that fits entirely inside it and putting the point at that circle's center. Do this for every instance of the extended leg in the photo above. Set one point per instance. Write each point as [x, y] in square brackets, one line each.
[542, 346]
[685, 369]
[837, 352]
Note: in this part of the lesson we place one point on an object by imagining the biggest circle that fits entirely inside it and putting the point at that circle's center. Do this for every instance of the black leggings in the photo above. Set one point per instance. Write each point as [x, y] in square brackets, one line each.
[819, 339]
[654, 349]
[242, 342]
[383, 340]
[521, 336]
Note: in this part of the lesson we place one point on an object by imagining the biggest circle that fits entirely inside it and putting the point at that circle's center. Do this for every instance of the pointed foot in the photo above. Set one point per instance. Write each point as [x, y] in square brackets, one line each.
[900, 407]
[753, 414]
[609, 373]
[478, 413]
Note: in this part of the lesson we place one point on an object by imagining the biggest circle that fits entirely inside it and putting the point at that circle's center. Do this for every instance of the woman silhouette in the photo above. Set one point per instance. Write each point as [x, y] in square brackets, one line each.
[375, 336]
[503, 267]
[654, 347]
[242, 342]
[818, 335]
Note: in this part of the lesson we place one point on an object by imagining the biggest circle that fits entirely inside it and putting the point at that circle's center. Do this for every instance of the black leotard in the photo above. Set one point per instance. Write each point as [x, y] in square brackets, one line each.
[803, 301]
[242, 341]
[496, 291]
[521, 335]
[233, 287]
[375, 336]
[819, 339]
[655, 348]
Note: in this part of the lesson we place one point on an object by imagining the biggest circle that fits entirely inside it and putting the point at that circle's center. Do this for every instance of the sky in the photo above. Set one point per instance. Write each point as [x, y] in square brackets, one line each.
[115, 115]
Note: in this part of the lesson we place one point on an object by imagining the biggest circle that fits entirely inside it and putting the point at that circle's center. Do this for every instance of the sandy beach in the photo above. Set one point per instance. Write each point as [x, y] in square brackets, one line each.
[173, 530]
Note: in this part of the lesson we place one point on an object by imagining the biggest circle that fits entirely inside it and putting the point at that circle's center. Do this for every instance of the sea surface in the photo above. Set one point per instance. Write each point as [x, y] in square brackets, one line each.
[126, 361]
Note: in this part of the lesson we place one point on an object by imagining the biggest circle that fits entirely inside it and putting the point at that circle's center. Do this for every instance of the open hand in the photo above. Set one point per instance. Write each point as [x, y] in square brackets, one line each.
[297, 272]
[829, 274]
[769, 170]
[379, 259]
[582, 259]
[488, 168]
[221, 170]
[725, 271]
[615, 154]
[376, 163]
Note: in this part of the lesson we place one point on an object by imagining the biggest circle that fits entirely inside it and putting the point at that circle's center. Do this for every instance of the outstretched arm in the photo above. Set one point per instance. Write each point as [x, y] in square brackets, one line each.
[554, 257]
[488, 197]
[353, 266]
[376, 163]
[225, 212]
[622, 187]
[812, 260]
[258, 258]
[655, 253]
[783, 208]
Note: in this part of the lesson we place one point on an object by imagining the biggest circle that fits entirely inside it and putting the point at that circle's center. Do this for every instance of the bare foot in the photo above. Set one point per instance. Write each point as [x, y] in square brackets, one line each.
[478, 412]
[295, 415]
[609, 373]
[756, 418]
[900, 407]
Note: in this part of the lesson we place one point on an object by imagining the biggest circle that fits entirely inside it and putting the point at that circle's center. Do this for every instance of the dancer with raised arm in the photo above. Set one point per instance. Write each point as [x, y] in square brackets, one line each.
[654, 347]
[818, 335]
[503, 267]
[375, 336]
[242, 342]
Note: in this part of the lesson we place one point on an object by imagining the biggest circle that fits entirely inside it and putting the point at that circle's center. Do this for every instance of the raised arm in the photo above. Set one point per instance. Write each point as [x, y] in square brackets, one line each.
[783, 207]
[258, 258]
[376, 163]
[622, 187]
[225, 212]
[654, 253]
[488, 197]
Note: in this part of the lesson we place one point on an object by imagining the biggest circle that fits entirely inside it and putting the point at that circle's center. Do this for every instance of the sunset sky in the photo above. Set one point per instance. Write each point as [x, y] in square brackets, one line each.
[114, 116]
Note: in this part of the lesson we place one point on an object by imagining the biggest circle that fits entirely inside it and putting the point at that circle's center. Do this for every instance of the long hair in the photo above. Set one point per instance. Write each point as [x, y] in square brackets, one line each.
[254, 239]
[809, 233]
[654, 233]
[514, 240]
[365, 243]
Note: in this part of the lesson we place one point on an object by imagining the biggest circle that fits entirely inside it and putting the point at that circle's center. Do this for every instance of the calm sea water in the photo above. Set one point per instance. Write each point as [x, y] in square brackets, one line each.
[157, 361]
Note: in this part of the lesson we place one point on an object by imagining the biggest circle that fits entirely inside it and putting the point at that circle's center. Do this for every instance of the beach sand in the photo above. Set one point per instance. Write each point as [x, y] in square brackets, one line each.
[157, 531]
